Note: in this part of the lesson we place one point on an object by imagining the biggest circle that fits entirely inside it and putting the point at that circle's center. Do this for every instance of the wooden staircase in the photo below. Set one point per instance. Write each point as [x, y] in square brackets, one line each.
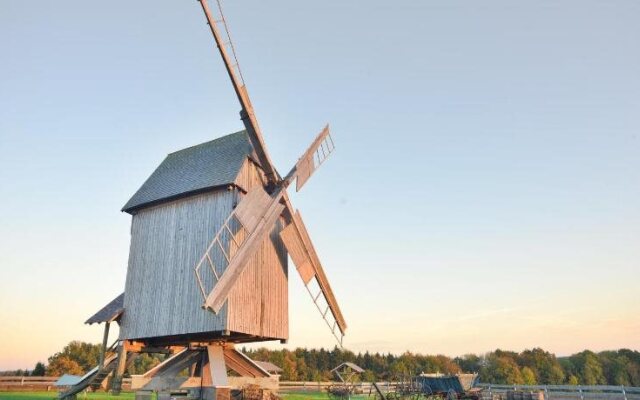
[101, 375]
[94, 378]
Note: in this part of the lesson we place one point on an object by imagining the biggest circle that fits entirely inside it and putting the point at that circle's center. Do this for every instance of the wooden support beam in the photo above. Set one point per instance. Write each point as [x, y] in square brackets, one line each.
[217, 367]
[103, 349]
[131, 346]
[242, 364]
[116, 387]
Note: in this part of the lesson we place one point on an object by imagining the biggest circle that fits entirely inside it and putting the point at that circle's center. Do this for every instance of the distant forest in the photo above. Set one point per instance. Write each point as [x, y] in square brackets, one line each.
[530, 367]
[535, 366]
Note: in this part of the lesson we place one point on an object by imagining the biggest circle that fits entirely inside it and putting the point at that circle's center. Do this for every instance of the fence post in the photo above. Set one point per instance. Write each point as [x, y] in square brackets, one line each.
[580, 390]
[490, 393]
[624, 392]
[22, 381]
[546, 394]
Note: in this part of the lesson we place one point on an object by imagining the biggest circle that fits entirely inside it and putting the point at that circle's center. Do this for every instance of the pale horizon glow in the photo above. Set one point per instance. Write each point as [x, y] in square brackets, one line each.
[484, 192]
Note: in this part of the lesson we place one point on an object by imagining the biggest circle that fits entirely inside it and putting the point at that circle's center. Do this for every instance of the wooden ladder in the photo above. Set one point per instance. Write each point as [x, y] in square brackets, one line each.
[94, 378]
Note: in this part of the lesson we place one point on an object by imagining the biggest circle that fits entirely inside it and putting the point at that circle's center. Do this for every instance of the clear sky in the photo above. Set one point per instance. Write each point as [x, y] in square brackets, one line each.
[485, 189]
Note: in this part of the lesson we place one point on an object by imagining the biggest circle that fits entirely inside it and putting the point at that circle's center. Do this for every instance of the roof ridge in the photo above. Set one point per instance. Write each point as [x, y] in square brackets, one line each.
[194, 169]
[209, 141]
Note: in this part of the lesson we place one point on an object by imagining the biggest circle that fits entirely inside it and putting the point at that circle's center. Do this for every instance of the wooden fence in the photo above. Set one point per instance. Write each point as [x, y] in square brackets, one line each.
[496, 392]
[361, 387]
[563, 392]
[37, 383]
[31, 383]
[489, 392]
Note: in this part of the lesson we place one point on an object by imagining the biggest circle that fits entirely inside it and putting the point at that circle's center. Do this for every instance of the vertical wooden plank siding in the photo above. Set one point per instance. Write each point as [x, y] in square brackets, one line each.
[250, 174]
[161, 294]
[162, 297]
[258, 303]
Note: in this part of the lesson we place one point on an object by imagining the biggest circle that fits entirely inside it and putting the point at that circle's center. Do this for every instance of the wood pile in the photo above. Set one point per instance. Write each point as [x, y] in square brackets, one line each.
[255, 392]
[525, 395]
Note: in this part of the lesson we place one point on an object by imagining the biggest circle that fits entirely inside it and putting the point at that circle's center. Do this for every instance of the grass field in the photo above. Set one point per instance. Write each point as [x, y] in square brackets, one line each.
[131, 396]
[54, 395]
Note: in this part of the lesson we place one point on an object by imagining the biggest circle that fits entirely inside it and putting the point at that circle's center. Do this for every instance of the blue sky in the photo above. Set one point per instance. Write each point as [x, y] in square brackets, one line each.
[484, 191]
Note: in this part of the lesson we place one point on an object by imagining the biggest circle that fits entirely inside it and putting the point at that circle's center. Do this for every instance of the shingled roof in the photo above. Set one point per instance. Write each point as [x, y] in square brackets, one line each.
[194, 169]
[108, 313]
[269, 367]
[348, 364]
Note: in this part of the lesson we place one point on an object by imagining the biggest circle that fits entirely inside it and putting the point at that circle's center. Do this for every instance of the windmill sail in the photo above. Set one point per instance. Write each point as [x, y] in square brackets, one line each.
[235, 74]
[252, 220]
[298, 243]
[315, 155]
[255, 215]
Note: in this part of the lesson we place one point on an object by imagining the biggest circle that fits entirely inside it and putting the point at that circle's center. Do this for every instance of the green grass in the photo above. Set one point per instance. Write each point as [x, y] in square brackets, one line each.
[318, 396]
[305, 396]
[54, 395]
[130, 396]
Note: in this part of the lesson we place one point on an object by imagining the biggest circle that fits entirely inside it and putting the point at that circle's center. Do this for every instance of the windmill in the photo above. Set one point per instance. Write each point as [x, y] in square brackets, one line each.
[211, 231]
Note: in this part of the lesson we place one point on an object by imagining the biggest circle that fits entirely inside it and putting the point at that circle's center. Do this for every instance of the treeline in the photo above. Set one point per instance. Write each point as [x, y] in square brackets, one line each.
[38, 370]
[77, 358]
[530, 367]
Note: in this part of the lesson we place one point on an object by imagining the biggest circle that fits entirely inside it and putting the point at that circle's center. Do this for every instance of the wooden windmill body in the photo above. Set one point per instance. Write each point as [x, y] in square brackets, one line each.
[175, 215]
[212, 229]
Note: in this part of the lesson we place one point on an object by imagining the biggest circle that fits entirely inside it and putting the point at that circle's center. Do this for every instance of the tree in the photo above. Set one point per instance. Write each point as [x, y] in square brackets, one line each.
[468, 363]
[534, 366]
[143, 363]
[544, 365]
[289, 368]
[589, 368]
[39, 369]
[368, 376]
[555, 375]
[84, 355]
[614, 367]
[633, 368]
[501, 368]
[528, 376]
[398, 370]
[61, 365]
[446, 365]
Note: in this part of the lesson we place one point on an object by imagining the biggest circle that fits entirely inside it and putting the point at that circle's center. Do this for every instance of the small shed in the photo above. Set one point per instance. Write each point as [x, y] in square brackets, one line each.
[346, 371]
[271, 382]
[269, 367]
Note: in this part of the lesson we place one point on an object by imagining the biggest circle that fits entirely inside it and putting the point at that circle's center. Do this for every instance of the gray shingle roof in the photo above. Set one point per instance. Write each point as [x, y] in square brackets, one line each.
[110, 312]
[194, 169]
[269, 367]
